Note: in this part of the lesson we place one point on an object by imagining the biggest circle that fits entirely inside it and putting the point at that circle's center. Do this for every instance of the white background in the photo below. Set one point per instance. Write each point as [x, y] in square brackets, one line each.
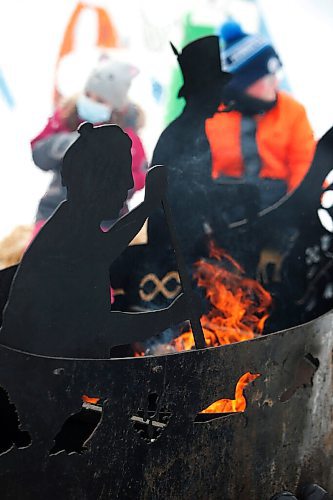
[31, 32]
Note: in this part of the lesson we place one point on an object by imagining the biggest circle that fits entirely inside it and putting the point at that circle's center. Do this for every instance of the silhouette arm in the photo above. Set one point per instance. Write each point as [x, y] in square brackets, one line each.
[127, 227]
[136, 327]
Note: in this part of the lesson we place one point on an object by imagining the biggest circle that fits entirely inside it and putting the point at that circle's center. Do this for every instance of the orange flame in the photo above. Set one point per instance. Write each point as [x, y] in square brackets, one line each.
[239, 309]
[233, 405]
[239, 304]
[87, 399]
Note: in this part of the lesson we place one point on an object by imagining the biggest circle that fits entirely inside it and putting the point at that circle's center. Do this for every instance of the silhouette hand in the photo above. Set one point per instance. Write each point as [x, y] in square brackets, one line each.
[156, 183]
[185, 305]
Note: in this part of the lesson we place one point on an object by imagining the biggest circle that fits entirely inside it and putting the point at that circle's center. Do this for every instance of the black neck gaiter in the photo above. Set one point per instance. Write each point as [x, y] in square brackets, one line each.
[237, 100]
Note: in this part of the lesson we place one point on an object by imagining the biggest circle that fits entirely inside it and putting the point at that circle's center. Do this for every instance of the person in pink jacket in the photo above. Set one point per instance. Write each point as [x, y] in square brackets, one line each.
[103, 100]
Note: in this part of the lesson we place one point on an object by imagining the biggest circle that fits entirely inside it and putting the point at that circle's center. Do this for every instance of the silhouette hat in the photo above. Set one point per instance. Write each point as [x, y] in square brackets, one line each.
[200, 63]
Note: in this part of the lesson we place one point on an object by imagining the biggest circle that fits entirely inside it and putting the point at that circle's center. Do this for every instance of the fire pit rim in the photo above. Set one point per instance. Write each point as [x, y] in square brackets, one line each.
[138, 358]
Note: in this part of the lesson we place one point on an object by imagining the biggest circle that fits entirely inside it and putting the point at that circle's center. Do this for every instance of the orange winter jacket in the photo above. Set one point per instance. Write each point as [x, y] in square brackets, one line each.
[284, 140]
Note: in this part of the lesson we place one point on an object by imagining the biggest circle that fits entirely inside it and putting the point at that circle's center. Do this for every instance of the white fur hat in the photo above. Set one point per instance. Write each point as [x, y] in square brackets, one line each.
[111, 80]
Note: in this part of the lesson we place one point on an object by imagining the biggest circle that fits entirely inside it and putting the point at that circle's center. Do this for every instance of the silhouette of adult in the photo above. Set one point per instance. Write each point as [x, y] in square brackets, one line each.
[59, 303]
[184, 150]
[183, 146]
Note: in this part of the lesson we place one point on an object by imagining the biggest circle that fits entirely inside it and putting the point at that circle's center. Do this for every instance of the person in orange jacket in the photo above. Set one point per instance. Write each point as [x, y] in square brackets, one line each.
[266, 140]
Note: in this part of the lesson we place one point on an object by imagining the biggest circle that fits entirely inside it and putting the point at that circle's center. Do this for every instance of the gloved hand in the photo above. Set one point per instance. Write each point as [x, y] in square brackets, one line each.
[61, 142]
[156, 184]
[269, 257]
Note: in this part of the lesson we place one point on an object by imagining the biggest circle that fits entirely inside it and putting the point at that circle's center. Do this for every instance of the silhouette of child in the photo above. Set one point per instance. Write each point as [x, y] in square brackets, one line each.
[59, 303]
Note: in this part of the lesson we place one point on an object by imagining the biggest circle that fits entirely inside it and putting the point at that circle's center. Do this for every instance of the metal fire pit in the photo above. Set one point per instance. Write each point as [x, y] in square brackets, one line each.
[132, 428]
[147, 440]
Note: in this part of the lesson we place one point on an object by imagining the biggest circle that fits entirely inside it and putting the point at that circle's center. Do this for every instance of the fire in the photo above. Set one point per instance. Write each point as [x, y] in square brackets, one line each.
[87, 399]
[239, 305]
[239, 309]
[233, 405]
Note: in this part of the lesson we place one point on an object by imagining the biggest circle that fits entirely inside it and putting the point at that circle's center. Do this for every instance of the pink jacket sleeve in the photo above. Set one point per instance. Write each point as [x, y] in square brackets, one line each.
[54, 125]
[139, 160]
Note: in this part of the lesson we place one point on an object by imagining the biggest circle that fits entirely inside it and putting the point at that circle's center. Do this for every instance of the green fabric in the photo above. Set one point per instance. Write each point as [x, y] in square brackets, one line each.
[191, 32]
